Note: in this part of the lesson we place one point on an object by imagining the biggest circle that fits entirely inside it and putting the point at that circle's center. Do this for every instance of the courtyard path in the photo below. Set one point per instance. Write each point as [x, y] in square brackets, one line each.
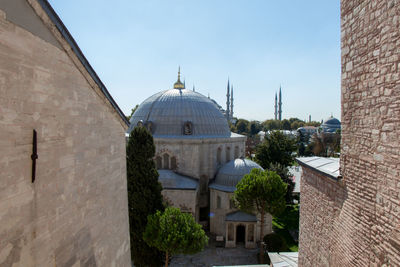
[217, 256]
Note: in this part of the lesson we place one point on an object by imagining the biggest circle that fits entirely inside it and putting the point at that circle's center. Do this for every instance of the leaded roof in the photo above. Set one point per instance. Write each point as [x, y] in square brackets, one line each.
[231, 173]
[169, 110]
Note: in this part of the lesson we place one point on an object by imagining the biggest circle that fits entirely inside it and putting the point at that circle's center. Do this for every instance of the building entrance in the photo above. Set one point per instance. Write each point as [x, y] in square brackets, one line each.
[240, 234]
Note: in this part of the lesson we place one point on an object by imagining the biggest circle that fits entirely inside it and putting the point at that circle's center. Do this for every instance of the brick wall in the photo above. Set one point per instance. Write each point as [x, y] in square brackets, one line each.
[365, 231]
[322, 198]
[75, 213]
[371, 131]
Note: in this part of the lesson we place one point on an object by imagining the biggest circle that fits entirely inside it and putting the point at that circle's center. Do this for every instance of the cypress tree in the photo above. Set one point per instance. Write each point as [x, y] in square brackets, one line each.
[144, 195]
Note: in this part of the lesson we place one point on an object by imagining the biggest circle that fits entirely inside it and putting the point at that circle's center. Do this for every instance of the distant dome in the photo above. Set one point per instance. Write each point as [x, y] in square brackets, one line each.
[332, 121]
[181, 113]
[231, 173]
[330, 125]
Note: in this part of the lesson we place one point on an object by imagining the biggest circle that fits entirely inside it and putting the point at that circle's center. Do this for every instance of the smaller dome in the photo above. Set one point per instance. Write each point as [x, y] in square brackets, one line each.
[332, 121]
[231, 173]
[331, 125]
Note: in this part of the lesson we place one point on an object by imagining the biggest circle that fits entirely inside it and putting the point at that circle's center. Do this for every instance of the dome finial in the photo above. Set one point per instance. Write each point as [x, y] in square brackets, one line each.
[179, 84]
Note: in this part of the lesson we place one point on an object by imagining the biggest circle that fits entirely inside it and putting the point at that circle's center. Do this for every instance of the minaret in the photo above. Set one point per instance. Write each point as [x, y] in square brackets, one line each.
[231, 101]
[227, 103]
[280, 104]
[194, 90]
[276, 106]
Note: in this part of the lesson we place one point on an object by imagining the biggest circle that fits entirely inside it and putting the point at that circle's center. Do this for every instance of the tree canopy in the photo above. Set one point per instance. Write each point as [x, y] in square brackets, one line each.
[132, 112]
[174, 232]
[144, 194]
[277, 148]
[261, 191]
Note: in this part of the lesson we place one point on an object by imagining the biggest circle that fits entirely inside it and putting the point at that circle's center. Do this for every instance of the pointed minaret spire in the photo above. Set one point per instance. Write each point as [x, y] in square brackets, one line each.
[227, 114]
[276, 106]
[179, 84]
[231, 116]
[194, 90]
[280, 103]
[184, 83]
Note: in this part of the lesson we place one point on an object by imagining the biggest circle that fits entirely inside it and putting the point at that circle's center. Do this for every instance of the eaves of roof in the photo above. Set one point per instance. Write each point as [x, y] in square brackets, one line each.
[75, 48]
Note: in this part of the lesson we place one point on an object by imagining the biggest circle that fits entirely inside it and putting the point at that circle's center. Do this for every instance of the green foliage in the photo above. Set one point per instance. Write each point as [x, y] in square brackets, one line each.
[289, 219]
[275, 243]
[276, 148]
[254, 128]
[132, 112]
[325, 144]
[242, 126]
[174, 232]
[286, 177]
[313, 123]
[261, 191]
[269, 125]
[285, 124]
[144, 194]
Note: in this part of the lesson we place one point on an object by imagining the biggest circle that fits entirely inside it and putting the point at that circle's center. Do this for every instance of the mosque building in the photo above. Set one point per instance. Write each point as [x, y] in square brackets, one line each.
[200, 161]
[330, 125]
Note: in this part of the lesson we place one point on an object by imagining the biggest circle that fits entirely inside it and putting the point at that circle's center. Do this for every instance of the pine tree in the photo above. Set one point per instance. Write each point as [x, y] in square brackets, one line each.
[174, 232]
[144, 195]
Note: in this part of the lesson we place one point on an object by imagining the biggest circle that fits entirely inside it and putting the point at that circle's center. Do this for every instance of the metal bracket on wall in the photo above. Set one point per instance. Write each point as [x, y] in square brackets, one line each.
[34, 155]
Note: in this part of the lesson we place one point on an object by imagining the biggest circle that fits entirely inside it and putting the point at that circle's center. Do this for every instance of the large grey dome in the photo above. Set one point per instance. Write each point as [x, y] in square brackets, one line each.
[181, 113]
[231, 173]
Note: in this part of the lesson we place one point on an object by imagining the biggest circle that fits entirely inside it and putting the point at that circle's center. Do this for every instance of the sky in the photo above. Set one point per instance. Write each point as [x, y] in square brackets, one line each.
[136, 47]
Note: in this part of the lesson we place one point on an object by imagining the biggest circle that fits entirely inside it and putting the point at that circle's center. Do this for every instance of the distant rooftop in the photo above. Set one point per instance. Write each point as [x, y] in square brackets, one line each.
[172, 180]
[240, 216]
[326, 166]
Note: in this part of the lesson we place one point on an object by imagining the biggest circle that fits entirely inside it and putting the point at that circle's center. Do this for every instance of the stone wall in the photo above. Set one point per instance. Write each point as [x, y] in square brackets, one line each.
[321, 201]
[365, 231]
[199, 157]
[75, 213]
[218, 225]
[185, 200]
[371, 132]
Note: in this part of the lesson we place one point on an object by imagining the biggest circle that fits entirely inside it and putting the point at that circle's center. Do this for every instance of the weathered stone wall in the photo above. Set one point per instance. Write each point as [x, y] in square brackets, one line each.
[198, 157]
[218, 215]
[321, 201]
[371, 132]
[75, 213]
[366, 230]
[217, 220]
[184, 199]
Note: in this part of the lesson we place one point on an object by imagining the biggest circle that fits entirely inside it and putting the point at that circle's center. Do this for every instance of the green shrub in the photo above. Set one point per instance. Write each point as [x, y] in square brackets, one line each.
[275, 243]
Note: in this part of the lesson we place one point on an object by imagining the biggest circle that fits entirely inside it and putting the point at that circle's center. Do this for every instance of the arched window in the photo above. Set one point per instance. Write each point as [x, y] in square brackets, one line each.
[187, 128]
[236, 152]
[158, 162]
[228, 154]
[219, 152]
[166, 161]
[218, 202]
[173, 163]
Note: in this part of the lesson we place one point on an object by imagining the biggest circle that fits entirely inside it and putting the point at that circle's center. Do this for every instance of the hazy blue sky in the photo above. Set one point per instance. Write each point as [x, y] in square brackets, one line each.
[136, 47]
